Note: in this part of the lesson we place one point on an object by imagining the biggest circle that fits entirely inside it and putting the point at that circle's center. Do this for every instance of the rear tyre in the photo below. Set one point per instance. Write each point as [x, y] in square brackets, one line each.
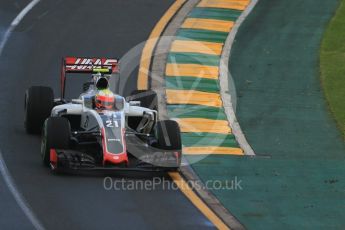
[56, 135]
[39, 101]
[147, 98]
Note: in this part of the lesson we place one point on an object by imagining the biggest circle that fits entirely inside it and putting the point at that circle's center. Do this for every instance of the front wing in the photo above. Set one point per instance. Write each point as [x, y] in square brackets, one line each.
[66, 160]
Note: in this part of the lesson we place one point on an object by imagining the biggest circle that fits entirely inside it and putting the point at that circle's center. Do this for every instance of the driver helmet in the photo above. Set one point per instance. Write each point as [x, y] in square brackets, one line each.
[104, 99]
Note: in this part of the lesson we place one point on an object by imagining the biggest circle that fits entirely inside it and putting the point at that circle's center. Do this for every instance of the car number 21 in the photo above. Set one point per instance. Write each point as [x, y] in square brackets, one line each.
[112, 124]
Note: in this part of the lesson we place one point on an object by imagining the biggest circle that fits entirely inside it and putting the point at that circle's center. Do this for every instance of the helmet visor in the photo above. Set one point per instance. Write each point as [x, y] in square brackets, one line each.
[105, 102]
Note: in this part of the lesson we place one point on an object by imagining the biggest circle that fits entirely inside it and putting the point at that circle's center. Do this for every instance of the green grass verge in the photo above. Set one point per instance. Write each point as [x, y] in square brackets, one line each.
[332, 62]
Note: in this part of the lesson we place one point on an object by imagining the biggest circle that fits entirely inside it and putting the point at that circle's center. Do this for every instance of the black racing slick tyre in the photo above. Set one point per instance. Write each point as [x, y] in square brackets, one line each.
[169, 138]
[147, 98]
[168, 135]
[39, 101]
[56, 135]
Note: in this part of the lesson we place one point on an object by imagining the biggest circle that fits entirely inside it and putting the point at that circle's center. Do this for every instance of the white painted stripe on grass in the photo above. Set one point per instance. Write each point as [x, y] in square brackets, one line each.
[17, 195]
[3, 168]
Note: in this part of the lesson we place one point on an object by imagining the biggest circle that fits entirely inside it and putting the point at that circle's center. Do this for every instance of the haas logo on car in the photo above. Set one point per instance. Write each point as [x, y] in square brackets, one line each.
[80, 64]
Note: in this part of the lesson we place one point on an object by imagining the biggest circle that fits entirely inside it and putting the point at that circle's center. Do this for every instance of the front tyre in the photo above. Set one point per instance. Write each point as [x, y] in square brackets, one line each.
[39, 101]
[56, 135]
[168, 135]
[169, 138]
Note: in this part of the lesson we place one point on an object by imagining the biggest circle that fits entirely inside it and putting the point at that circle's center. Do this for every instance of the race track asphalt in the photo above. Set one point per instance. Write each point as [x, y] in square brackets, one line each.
[54, 29]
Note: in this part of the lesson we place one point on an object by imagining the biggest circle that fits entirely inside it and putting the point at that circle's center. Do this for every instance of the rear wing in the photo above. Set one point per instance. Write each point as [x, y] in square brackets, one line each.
[86, 65]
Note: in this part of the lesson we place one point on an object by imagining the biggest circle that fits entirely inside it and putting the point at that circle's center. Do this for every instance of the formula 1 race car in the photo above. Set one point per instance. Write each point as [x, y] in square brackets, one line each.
[101, 130]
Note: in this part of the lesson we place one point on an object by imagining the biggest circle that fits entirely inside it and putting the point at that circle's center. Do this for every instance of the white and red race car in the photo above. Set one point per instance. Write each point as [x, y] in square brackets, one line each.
[78, 136]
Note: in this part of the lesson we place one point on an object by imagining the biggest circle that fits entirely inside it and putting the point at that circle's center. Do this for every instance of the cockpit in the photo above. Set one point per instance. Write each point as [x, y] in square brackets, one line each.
[117, 104]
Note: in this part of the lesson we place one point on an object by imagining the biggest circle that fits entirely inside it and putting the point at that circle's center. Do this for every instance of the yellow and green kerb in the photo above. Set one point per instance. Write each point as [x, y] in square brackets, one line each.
[192, 78]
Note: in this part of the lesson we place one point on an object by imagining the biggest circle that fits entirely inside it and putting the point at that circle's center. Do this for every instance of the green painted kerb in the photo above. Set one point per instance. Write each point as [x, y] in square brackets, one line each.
[192, 83]
[208, 139]
[200, 84]
[201, 35]
[196, 111]
[215, 13]
[194, 58]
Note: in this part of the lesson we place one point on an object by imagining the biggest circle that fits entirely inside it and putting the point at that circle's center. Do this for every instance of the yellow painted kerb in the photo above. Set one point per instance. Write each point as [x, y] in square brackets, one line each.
[225, 4]
[192, 70]
[203, 125]
[147, 53]
[188, 192]
[208, 24]
[190, 46]
[215, 150]
[193, 97]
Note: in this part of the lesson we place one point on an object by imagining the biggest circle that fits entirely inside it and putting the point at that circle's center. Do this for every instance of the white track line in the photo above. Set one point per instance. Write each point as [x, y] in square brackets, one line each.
[17, 195]
[15, 22]
[229, 95]
[3, 168]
